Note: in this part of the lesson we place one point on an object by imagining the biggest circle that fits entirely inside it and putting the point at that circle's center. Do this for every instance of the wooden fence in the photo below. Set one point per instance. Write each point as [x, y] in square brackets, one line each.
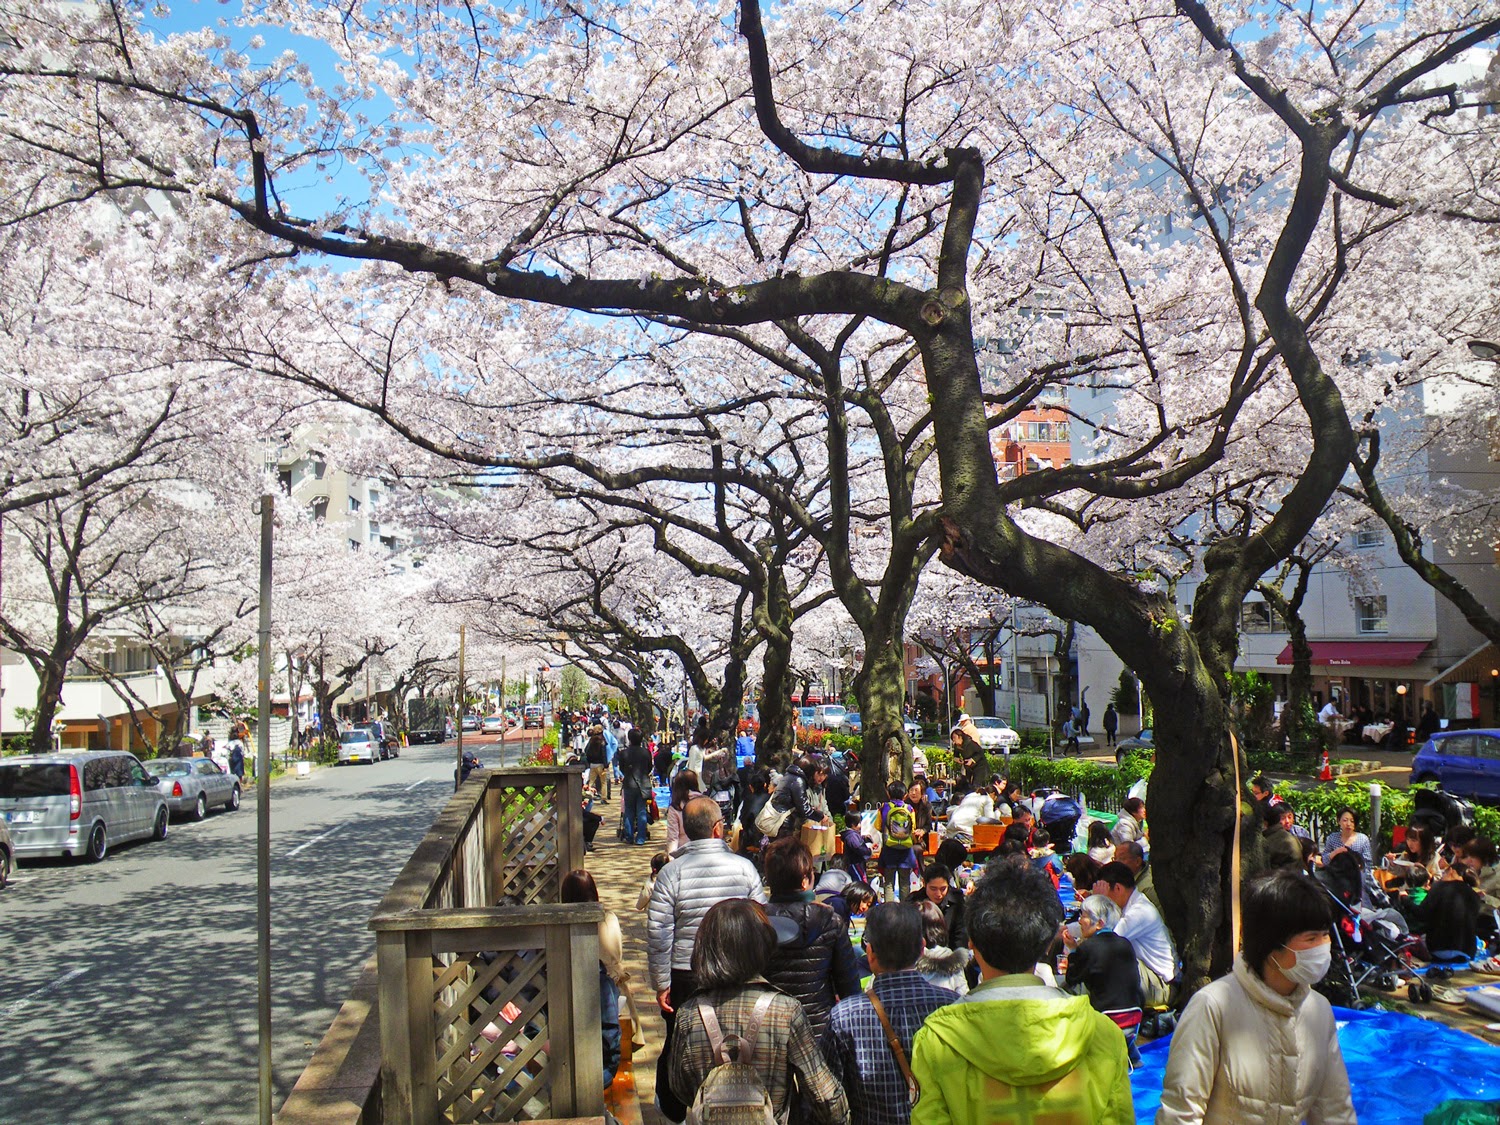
[471, 938]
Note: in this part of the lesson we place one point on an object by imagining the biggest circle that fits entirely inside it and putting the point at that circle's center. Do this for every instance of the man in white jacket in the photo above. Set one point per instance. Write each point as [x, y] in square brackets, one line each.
[1142, 926]
[702, 873]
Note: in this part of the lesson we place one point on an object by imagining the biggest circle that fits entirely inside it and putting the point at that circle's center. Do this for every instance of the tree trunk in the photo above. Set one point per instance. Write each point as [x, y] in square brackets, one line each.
[48, 698]
[777, 717]
[724, 718]
[880, 686]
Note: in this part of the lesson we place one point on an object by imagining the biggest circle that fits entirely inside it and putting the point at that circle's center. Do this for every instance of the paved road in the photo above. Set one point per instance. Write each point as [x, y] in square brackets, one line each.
[127, 988]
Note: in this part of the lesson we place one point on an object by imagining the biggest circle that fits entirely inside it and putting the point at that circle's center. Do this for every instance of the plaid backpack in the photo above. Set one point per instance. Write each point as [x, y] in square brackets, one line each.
[733, 1092]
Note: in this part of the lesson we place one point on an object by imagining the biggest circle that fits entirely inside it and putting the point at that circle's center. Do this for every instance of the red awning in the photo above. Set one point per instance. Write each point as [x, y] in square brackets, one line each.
[1369, 654]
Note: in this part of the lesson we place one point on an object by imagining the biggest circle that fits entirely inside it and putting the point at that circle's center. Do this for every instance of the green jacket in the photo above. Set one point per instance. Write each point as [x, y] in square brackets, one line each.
[1015, 1051]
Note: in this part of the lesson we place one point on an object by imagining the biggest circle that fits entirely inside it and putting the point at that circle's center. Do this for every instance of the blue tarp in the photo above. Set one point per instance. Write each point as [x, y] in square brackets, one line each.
[1399, 1067]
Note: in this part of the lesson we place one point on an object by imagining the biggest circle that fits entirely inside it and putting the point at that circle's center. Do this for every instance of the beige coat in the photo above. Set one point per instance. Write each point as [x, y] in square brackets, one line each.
[1244, 1053]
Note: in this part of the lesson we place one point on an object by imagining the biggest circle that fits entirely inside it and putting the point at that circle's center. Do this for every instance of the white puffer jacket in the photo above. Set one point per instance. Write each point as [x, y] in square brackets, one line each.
[703, 873]
[1243, 1053]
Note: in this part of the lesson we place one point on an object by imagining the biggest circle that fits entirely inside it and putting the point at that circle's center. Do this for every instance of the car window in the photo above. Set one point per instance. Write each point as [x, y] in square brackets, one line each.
[118, 772]
[171, 767]
[33, 779]
[95, 774]
[1457, 746]
[210, 767]
[1487, 746]
[138, 774]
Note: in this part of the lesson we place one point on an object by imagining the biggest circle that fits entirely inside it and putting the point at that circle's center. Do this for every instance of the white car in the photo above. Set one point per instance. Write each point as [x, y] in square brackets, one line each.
[996, 734]
[830, 716]
[493, 724]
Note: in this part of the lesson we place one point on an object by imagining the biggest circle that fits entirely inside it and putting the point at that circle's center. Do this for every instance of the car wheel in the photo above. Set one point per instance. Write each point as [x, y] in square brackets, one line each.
[98, 846]
[159, 829]
[1427, 777]
[234, 800]
[200, 807]
[5, 862]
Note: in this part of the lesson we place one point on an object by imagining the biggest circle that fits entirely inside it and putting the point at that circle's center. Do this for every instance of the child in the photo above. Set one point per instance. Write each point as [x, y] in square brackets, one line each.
[1043, 858]
[897, 825]
[658, 861]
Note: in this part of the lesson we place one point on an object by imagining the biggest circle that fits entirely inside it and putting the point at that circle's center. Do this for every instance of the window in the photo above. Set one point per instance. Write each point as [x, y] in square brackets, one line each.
[1370, 615]
[1487, 746]
[319, 466]
[354, 544]
[1368, 537]
[320, 508]
[353, 504]
[374, 497]
[1259, 617]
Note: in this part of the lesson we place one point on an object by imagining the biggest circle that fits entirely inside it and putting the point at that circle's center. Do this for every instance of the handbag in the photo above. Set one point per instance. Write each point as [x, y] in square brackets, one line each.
[770, 819]
[653, 813]
[913, 1090]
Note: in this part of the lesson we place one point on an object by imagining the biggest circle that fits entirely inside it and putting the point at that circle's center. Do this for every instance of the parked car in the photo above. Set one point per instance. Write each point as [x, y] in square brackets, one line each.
[192, 786]
[471, 724]
[805, 716]
[1143, 741]
[390, 745]
[913, 729]
[7, 854]
[493, 724]
[851, 723]
[531, 716]
[1465, 763]
[79, 803]
[996, 734]
[359, 745]
[828, 716]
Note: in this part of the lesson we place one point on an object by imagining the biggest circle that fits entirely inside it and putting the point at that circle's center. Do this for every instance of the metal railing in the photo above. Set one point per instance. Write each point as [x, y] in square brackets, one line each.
[488, 985]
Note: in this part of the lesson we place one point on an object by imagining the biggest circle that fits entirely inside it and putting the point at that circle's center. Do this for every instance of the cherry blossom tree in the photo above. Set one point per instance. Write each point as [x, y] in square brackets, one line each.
[1197, 208]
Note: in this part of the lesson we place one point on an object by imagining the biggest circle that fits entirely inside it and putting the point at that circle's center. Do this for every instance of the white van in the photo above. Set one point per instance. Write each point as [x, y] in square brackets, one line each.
[79, 803]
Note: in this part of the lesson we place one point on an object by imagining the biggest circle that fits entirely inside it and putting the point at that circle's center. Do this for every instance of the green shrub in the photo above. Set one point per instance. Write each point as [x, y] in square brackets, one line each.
[1104, 786]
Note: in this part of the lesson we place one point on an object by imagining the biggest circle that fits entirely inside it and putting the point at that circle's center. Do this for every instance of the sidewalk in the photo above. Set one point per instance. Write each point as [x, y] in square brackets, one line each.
[619, 870]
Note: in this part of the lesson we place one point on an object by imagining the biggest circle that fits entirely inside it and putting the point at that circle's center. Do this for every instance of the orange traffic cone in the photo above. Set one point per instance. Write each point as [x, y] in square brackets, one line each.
[1326, 773]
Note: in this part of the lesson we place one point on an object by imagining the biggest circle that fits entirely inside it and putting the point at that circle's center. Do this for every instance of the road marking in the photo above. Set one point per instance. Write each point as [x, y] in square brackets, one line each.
[414, 784]
[314, 840]
[15, 1006]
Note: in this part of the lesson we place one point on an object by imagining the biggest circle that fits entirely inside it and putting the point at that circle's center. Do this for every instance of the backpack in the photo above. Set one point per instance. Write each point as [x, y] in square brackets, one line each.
[900, 826]
[733, 1092]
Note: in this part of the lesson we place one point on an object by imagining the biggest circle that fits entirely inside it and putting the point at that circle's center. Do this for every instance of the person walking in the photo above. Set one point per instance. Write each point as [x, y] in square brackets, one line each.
[869, 1049]
[1015, 1049]
[702, 874]
[596, 755]
[735, 1004]
[634, 764]
[1111, 724]
[1260, 1044]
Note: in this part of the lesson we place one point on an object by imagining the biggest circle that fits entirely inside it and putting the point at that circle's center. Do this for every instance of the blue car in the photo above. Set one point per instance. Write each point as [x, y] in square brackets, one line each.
[1465, 763]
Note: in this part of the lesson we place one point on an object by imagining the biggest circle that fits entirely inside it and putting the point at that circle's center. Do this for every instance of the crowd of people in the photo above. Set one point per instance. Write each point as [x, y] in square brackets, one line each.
[905, 983]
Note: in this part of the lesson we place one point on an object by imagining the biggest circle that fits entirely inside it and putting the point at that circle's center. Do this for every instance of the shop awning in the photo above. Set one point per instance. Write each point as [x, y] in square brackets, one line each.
[1472, 669]
[1361, 654]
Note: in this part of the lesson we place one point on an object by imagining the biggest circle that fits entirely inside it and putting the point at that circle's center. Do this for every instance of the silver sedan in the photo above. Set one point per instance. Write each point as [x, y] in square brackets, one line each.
[192, 786]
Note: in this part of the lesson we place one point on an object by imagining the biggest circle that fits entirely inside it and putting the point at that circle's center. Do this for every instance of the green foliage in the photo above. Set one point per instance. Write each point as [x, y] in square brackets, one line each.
[1136, 766]
[1326, 799]
[26, 716]
[1103, 785]
[325, 752]
[1124, 696]
[1254, 698]
[573, 687]
[1033, 741]
[843, 742]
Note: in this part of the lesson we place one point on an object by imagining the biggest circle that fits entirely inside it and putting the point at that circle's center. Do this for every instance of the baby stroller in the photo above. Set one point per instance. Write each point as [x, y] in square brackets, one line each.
[1438, 811]
[1366, 951]
[1060, 815]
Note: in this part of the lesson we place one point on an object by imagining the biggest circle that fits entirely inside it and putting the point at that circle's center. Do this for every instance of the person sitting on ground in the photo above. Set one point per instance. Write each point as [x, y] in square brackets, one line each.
[1280, 846]
[916, 797]
[1015, 1049]
[1130, 826]
[1482, 857]
[813, 962]
[1418, 849]
[730, 959]
[1084, 872]
[1101, 849]
[937, 888]
[860, 1054]
[1133, 856]
[1259, 1044]
[1142, 926]
[970, 809]
[939, 964]
[1289, 821]
[1448, 917]
[1100, 961]
[1043, 857]
[1265, 796]
[1348, 838]
[685, 787]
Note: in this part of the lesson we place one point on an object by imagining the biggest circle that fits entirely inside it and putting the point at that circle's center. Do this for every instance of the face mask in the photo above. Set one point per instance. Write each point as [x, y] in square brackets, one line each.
[1311, 964]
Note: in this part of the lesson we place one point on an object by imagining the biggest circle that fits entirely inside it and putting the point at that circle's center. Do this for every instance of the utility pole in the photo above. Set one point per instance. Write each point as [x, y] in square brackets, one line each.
[263, 812]
[458, 772]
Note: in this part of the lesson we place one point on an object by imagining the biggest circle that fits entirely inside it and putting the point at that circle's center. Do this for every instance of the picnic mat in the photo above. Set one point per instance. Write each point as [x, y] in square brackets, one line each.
[1400, 1067]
